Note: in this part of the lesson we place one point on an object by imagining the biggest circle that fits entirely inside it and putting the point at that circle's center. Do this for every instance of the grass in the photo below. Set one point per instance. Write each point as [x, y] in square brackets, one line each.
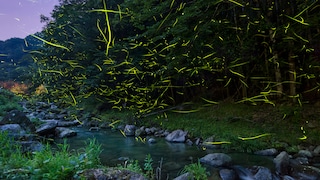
[8, 101]
[45, 164]
[285, 125]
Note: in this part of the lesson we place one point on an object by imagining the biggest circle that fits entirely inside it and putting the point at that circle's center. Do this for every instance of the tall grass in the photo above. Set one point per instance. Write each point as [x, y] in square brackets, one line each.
[45, 164]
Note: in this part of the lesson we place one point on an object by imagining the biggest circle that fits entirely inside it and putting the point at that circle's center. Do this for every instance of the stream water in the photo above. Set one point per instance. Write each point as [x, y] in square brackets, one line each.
[174, 156]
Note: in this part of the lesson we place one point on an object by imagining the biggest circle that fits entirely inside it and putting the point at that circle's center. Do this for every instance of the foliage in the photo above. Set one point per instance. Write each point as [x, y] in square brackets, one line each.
[8, 101]
[148, 166]
[169, 52]
[197, 170]
[45, 164]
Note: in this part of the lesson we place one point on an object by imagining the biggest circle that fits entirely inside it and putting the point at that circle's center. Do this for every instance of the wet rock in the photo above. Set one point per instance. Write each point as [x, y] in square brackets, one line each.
[243, 173]
[262, 173]
[299, 161]
[267, 152]
[185, 176]
[216, 159]
[129, 130]
[110, 173]
[305, 153]
[12, 129]
[317, 150]
[63, 132]
[18, 117]
[227, 174]
[140, 132]
[47, 128]
[151, 141]
[282, 163]
[177, 136]
[67, 123]
[305, 172]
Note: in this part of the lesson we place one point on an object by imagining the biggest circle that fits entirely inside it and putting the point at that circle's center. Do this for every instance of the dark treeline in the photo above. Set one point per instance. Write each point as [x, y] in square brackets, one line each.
[150, 54]
[15, 58]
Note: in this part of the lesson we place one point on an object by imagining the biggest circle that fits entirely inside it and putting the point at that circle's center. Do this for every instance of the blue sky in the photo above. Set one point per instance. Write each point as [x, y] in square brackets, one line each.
[19, 18]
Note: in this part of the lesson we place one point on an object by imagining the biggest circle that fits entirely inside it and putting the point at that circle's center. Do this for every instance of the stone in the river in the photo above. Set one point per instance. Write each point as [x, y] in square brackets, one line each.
[282, 163]
[262, 173]
[305, 172]
[216, 159]
[47, 128]
[185, 176]
[152, 140]
[178, 136]
[129, 130]
[243, 173]
[267, 152]
[227, 174]
[67, 123]
[110, 173]
[62, 132]
[18, 117]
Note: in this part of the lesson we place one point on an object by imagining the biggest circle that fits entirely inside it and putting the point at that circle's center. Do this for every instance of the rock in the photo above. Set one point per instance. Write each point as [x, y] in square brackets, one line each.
[110, 173]
[47, 128]
[305, 153]
[67, 123]
[282, 163]
[63, 132]
[178, 136]
[227, 174]
[299, 161]
[31, 146]
[185, 176]
[151, 141]
[216, 159]
[243, 173]
[267, 152]
[129, 130]
[18, 117]
[208, 143]
[262, 173]
[12, 129]
[139, 132]
[305, 172]
[317, 150]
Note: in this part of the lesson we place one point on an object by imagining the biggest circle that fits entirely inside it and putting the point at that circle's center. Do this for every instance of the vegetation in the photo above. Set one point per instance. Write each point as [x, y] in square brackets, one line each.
[8, 101]
[197, 170]
[45, 164]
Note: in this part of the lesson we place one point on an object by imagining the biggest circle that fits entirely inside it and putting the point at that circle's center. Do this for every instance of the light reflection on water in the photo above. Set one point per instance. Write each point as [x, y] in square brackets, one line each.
[174, 155]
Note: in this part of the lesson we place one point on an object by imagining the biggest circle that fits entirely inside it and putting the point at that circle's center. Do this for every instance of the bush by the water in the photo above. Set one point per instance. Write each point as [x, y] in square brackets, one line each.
[45, 164]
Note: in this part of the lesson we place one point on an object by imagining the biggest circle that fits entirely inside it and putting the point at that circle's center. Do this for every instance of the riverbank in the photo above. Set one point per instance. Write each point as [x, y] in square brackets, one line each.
[285, 127]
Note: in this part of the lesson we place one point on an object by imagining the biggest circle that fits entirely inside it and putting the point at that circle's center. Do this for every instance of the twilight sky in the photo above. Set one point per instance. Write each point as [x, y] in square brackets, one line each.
[19, 18]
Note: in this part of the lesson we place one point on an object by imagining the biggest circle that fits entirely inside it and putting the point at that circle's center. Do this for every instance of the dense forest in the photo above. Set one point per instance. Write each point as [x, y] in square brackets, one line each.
[149, 55]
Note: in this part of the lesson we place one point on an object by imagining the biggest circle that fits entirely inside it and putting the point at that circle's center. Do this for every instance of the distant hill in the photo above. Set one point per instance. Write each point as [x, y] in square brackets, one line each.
[15, 57]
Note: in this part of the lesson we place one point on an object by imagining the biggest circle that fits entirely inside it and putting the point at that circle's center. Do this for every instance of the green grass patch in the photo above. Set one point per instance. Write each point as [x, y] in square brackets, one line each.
[285, 125]
[46, 164]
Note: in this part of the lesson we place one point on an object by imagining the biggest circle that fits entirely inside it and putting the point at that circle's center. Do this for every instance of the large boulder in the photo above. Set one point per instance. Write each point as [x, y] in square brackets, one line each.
[47, 128]
[216, 159]
[18, 117]
[282, 163]
[62, 132]
[178, 136]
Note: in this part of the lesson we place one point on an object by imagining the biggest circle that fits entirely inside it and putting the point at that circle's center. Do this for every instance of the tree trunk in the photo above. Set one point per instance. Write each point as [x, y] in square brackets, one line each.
[292, 76]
